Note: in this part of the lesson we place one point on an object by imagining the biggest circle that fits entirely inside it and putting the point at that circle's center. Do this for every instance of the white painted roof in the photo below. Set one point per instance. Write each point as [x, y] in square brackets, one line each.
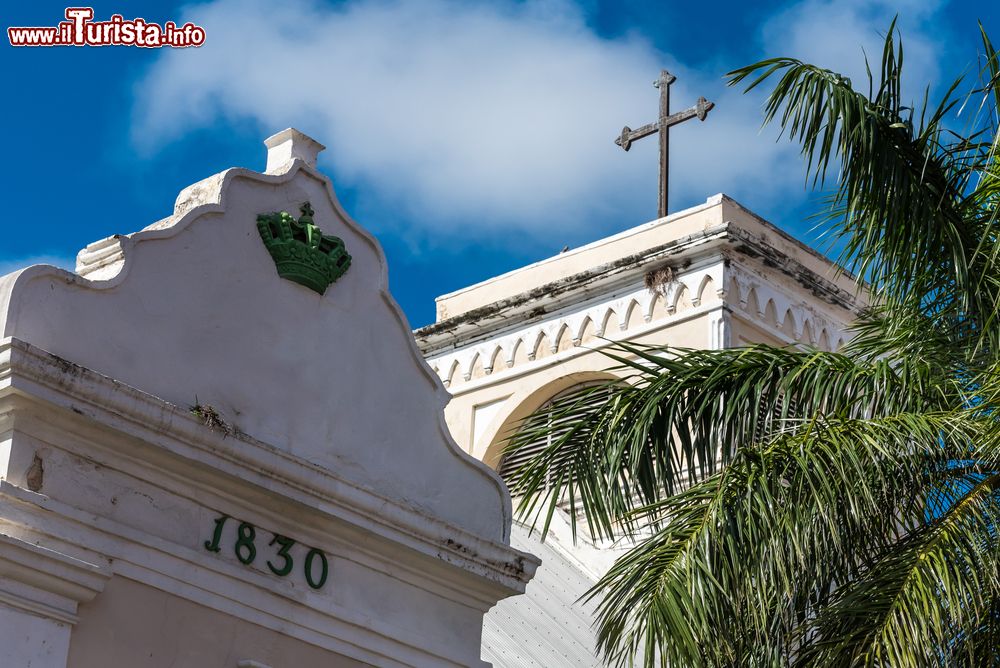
[545, 627]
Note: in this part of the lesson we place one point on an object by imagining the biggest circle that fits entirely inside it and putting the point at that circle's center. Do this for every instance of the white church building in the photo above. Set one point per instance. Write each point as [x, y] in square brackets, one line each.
[221, 445]
[712, 276]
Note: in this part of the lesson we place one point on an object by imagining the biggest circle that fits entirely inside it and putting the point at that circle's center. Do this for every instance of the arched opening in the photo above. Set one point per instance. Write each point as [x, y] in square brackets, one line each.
[521, 350]
[555, 427]
[543, 348]
[496, 360]
[659, 310]
[526, 402]
[451, 377]
[734, 294]
[753, 304]
[807, 333]
[788, 324]
[564, 340]
[824, 341]
[707, 292]
[683, 299]
[478, 369]
[610, 320]
[771, 313]
[634, 315]
[589, 332]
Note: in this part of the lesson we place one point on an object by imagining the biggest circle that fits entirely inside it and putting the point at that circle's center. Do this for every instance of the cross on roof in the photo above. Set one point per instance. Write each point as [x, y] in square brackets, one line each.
[662, 125]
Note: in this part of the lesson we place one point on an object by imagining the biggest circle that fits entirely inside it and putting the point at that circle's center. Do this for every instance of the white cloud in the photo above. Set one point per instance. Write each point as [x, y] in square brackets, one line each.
[837, 34]
[475, 118]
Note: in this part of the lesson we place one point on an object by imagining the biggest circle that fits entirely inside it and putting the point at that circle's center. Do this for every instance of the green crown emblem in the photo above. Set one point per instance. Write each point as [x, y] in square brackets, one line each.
[300, 250]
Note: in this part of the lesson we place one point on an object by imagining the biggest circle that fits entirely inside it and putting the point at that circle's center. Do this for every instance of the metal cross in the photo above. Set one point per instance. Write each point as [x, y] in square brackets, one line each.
[662, 125]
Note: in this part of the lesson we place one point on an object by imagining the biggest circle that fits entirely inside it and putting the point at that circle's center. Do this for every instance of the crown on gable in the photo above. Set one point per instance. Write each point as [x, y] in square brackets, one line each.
[300, 250]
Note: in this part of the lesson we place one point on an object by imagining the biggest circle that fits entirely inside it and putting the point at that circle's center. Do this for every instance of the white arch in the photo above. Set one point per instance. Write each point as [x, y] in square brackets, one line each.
[707, 283]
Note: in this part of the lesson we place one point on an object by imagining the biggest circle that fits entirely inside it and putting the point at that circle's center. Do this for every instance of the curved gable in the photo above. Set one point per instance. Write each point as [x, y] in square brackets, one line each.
[193, 311]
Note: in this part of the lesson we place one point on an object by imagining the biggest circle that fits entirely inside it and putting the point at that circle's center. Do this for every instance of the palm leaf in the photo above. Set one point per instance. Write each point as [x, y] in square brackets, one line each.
[799, 507]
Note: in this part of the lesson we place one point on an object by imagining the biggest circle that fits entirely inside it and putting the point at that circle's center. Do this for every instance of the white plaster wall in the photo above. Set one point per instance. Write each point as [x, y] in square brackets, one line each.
[198, 313]
[512, 395]
[620, 313]
[146, 515]
[335, 437]
[31, 641]
[717, 302]
[134, 626]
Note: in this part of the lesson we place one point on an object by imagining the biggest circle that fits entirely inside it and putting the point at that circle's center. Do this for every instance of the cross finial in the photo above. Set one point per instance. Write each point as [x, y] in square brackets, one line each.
[662, 125]
[666, 78]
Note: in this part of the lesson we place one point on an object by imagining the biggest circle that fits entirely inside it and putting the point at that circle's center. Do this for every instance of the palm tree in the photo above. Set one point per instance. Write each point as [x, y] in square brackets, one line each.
[797, 507]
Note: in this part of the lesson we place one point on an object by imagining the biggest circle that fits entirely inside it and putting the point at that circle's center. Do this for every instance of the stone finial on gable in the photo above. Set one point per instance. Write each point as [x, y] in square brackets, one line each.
[289, 144]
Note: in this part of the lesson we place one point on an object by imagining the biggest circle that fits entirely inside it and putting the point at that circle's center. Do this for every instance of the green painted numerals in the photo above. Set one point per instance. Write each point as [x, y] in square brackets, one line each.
[317, 583]
[315, 566]
[245, 550]
[286, 545]
[213, 545]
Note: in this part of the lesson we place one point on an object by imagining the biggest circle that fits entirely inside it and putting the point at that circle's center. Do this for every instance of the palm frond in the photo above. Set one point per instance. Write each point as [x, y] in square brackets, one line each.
[902, 203]
[908, 608]
[753, 554]
[679, 415]
[798, 507]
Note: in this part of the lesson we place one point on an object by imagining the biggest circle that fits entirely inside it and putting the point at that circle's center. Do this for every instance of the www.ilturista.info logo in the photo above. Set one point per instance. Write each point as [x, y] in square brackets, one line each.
[80, 30]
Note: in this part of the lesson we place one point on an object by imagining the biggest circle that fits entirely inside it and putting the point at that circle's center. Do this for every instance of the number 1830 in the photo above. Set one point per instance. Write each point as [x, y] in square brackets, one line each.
[314, 567]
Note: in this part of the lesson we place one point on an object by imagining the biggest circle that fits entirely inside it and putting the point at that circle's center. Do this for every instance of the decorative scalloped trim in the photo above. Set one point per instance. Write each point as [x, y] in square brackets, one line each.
[210, 196]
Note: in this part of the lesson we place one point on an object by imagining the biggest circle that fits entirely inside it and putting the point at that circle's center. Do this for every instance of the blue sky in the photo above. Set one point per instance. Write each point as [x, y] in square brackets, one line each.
[471, 138]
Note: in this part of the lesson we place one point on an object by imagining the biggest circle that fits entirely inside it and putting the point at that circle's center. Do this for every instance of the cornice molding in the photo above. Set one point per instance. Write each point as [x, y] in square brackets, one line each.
[182, 445]
[44, 582]
[536, 304]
